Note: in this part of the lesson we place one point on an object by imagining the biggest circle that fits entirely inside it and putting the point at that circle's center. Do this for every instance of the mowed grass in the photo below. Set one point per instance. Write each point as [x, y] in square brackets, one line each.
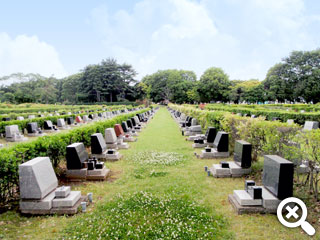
[166, 184]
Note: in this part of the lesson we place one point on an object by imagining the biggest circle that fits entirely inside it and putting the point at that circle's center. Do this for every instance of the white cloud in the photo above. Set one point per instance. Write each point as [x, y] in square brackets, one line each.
[245, 38]
[28, 55]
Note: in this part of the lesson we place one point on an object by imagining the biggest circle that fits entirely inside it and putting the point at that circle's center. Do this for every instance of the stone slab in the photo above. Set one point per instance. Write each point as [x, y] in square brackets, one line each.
[236, 170]
[112, 145]
[199, 145]
[68, 201]
[130, 139]
[213, 154]
[123, 146]
[112, 157]
[269, 201]
[77, 173]
[219, 172]
[98, 174]
[244, 199]
[62, 192]
[59, 211]
[42, 204]
[244, 209]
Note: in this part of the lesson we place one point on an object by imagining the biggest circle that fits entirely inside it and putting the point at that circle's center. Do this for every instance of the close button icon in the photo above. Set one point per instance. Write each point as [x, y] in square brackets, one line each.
[292, 213]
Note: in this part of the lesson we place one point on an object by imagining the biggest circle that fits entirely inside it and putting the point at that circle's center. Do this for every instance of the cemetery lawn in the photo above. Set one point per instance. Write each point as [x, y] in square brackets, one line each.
[158, 187]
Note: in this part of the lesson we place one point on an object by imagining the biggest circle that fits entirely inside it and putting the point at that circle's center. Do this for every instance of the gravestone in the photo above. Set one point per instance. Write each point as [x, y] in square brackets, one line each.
[20, 118]
[98, 145]
[76, 156]
[242, 153]
[6, 119]
[37, 178]
[221, 142]
[118, 130]
[110, 138]
[278, 176]
[70, 120]
[120, 137]
[32, 127]
[39, 193]
[129, 123]
[210, 135]
[78, 119]
[85, 118]
[124, 126]
[48, 126]
[290, 121]
[310, 125]
[13, 134]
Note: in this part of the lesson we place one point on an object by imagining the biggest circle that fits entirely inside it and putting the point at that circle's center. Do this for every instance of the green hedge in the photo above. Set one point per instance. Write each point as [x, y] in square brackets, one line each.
[53, 146]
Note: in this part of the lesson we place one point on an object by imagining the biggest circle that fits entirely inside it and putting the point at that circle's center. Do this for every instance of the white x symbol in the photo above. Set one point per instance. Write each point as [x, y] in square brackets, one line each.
[292, 212]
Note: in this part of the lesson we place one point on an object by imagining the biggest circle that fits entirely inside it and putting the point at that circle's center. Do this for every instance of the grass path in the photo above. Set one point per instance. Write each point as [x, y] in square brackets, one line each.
[186, 180]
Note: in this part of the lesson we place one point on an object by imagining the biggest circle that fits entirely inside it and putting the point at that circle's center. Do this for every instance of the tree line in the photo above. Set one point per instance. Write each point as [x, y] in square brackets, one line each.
[296, 78]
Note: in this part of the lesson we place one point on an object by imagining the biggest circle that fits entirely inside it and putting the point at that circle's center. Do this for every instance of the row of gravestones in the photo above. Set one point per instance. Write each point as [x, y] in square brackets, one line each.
[91, 115]
[13, 134]
[277, 180]
[308, 125]
[39, 191]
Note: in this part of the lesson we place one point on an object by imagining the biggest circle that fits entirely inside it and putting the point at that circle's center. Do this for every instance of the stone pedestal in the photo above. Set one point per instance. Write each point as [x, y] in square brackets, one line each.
[112, 145]
[213, 154]
[112, 157]
[77, 174]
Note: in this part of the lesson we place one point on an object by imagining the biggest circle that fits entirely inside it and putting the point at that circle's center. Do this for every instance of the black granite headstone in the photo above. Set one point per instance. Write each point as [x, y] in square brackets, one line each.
[98, 145]
[242, 153]
[133, 122]
[76, 156]
[278, 176]
[129, 123]
[124, 126]
[188, 123]
[90, 116]
[210, 134]
[70, 120]
[6, 119]
[32, 127]
[48, 125]
[221, 142]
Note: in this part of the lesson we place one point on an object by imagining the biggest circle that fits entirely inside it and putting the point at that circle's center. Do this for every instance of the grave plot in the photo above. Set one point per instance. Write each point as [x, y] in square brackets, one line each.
[102, 150]
[40, 193]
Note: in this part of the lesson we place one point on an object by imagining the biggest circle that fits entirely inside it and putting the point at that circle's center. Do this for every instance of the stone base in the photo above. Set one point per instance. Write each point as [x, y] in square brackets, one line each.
[135, 134]
[244, 198]
[129, 139]
[77, 174]
[37, 205]
[112, 145]
[237, 171]
[213, 154]
[68, 201]
[199, 145]
[22, 139]
[98, 174]
[269, 201]
[219, 172]
[64, 128]
[194, 136]
[36, 134]
[112, 157]
[51, 131]
[123, 146]
[244, 209]
[59, 211]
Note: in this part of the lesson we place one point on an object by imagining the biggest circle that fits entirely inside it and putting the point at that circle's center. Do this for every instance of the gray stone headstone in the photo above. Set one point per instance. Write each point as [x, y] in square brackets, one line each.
[37, 178]
[61, 122]
[194, 122]
[110, 135]
[290, 121]
[309, 125]
[20, 118]
[12, 130]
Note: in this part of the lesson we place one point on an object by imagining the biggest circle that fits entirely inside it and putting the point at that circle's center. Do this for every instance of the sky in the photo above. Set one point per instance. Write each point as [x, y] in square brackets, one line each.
[243, 37]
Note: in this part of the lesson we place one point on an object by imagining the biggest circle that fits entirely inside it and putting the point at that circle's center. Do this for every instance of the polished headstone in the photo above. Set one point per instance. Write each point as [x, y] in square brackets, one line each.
[37, 178]
[278, 176]
[310, 125]
[210, 134]
[78, 119]
[76, 156]
[98, 144]
[129, 123]
[124, 126]
[221, 142]
[48, 125]
[242, 153]
[110, 136]
[70, 120]
[32, 127]
[61, 122]
[118, 130]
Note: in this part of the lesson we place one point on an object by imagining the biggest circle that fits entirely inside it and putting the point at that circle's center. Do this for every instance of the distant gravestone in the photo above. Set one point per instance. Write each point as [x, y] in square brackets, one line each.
[242, 153]
[48, 125]
[76, 156]
[221, 142]
[32, 127]
[290, 121]
[110, 136]
[278, 176]
[124, 126]
[210, 134]
[61, 122]
[118, 130]
[98, 144]
[310, 125]
[12, 131]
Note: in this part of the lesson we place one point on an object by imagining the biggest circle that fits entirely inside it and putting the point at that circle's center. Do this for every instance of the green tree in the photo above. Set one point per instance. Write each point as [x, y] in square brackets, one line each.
[214, 85]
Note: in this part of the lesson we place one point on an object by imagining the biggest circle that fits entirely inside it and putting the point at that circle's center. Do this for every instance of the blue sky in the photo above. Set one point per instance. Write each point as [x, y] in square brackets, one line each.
[244, 37]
